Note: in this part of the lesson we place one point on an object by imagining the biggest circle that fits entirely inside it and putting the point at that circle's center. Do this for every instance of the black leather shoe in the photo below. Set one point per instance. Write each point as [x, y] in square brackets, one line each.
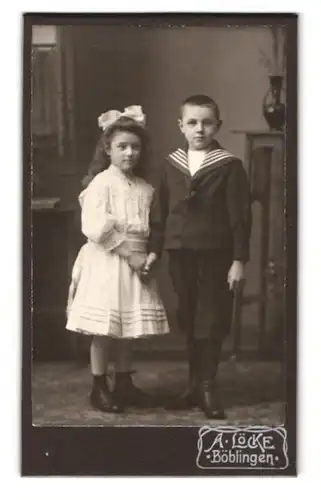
[209, 402]
[102, 399]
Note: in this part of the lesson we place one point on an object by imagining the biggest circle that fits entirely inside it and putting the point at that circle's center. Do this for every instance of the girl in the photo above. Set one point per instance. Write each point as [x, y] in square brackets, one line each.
[109, 296]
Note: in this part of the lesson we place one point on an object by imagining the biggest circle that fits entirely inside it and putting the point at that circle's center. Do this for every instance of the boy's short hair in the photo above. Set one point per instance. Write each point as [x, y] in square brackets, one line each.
[202, 100]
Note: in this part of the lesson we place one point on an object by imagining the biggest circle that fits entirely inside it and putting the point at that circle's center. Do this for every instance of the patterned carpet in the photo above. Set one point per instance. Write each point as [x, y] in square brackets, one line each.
[253, 393]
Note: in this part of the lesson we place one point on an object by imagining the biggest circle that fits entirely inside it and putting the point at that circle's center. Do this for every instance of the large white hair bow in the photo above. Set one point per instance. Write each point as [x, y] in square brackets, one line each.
[106, 119]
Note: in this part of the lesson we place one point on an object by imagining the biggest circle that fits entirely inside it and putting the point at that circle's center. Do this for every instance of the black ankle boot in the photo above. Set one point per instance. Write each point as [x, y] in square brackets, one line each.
[127, 394]
[208, 401]
[101, 398]
[208, 355]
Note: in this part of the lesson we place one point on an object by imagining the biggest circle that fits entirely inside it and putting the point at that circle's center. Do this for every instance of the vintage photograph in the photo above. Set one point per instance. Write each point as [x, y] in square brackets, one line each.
[158, 179]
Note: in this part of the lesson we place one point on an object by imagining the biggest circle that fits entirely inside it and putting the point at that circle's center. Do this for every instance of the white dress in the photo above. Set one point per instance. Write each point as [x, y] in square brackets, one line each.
[106, 297]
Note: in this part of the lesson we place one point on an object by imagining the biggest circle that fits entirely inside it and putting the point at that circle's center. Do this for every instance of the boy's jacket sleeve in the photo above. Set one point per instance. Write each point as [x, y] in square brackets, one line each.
[239, 209]
[158, 215]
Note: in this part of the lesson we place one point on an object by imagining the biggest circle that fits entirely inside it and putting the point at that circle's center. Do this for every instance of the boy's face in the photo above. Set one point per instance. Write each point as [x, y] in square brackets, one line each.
[199, 126]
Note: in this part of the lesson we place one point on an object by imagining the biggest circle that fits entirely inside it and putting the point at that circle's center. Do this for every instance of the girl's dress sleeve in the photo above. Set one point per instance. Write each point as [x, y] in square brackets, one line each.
[97, 222]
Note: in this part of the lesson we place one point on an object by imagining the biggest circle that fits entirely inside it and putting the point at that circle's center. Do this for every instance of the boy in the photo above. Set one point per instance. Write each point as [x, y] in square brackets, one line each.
[200, 215]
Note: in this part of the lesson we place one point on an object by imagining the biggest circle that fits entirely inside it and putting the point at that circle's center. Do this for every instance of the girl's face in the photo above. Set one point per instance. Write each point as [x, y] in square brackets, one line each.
[124, 150]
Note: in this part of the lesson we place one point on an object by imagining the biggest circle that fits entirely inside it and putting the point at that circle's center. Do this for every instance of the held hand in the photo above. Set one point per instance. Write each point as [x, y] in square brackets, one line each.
[235, 274]
[151, 258]
[136, 261]
[146, 270]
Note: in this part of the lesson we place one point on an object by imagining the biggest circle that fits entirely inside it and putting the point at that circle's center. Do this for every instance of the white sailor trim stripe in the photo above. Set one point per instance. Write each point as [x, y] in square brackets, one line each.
[179, 162]
[181, 153]
[214, 161]
[182, 161]
[179, 157]
[217, 152]
[215, 157]
[213, 165]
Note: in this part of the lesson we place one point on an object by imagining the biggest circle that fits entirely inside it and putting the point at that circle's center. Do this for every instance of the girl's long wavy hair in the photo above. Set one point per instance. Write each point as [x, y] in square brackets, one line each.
[101, 160]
